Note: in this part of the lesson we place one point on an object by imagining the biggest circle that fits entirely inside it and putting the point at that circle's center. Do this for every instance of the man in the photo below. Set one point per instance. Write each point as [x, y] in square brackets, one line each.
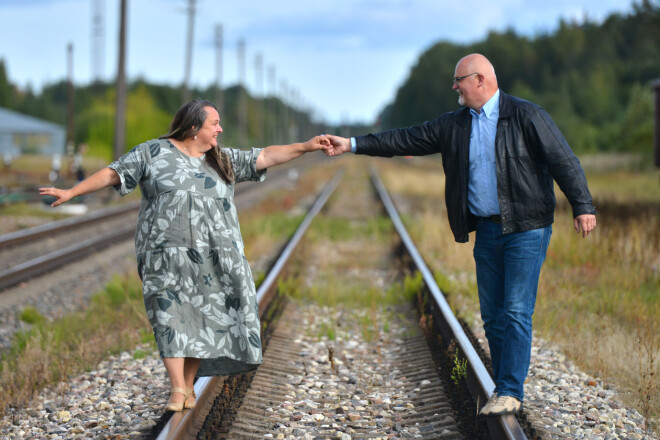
[500, 155]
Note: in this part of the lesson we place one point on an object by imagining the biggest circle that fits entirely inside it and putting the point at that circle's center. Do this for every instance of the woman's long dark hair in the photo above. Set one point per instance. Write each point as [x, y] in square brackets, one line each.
[187, 121]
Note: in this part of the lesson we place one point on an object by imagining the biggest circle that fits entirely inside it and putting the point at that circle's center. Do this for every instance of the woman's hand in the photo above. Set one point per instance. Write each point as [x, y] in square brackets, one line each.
[100, 179]
[278, 154]
[61, 195]
[317, 143]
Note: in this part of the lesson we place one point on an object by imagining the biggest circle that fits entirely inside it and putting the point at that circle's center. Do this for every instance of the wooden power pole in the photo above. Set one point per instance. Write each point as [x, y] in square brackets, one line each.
[189, 47]
[218, 68]
[655, 85]
[120, 111]
[70, 136]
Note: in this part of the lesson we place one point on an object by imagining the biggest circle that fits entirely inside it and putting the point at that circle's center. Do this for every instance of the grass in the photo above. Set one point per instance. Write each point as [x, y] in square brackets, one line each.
[372, 308]
[51, 351]
[115, 320]
[334, 266]
[598, 297]
[29, 169]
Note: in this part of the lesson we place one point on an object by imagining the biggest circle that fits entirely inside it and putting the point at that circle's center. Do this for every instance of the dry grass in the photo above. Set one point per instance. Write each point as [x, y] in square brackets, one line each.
[53, 350]
[115, 320]
[270, 223]
[345, 261]
[598, 297]
[33, 170]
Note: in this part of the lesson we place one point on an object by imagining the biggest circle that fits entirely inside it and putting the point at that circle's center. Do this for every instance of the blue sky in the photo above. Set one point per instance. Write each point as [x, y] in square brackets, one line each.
[344, 59]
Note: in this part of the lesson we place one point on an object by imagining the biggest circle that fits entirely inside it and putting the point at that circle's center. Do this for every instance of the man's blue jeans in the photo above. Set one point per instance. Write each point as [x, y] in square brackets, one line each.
[508, 268]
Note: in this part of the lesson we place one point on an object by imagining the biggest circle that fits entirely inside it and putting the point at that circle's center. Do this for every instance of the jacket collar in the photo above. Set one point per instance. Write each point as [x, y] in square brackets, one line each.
[506, 109]
[464, 118]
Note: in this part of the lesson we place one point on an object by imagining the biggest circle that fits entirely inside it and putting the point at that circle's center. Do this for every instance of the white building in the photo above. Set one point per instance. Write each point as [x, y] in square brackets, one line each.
[23, 134]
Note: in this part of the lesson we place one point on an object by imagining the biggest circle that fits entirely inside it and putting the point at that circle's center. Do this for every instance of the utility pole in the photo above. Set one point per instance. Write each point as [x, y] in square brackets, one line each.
[242, 94]
[98, 40]
[189, 48]
[69, 100]
[218, 67]
[259, 90]
[120, 111]
[70, 142]
[285, 111]
[272, 132]
[655, 85]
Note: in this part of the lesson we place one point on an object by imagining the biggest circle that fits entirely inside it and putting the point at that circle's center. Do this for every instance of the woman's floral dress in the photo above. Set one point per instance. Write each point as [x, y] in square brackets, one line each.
[198, 288]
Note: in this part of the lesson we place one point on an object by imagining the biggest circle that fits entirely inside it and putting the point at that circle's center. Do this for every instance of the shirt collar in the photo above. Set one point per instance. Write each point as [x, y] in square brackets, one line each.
[492, 105]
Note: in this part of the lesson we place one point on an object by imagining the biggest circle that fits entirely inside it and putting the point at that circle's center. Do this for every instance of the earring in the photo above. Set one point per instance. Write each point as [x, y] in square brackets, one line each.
[195, 137]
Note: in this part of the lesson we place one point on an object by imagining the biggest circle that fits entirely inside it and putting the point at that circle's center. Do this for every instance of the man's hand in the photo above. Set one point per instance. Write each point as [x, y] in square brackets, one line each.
[584, 223]
[338, 145]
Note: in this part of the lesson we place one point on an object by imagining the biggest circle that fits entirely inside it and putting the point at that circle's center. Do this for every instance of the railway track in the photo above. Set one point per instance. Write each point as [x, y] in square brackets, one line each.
[32, 252]
[251, 406]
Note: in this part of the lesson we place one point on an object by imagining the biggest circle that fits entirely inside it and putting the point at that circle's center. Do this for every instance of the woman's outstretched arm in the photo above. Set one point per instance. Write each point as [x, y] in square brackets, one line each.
[95, 182]
[279, 154]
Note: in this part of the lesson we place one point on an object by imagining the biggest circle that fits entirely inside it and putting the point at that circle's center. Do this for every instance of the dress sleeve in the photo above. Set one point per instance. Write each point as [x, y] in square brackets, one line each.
[131, 167]
[245, 164]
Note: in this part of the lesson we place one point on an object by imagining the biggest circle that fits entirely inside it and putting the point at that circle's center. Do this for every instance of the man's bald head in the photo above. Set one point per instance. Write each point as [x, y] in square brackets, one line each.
[480, 82]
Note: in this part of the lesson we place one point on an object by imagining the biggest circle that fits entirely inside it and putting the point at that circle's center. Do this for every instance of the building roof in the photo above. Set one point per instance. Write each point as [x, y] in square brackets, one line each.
[14, 122]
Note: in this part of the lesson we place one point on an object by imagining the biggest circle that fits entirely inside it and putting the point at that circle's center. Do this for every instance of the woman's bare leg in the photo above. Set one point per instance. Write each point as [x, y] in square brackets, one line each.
[175, 369]
[190, 367]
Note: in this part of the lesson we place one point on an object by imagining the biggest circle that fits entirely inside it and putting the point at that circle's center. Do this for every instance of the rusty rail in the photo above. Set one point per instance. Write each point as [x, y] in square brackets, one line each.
[480, 383]
[183, 425]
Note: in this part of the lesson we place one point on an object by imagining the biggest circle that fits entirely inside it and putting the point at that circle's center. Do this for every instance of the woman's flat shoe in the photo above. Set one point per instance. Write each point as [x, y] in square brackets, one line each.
[177, 406]
[191, 400]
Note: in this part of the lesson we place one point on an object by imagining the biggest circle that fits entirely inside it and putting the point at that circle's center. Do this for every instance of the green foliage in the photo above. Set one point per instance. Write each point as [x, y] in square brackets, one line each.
[144, 120]
[412, 286]
[376, 228]
[53, 349]
[140, 354]
[591, 77]
[6, 89]
[149, 110]
[31, 315]
[636, 130]
[459, 370]
[444, 284]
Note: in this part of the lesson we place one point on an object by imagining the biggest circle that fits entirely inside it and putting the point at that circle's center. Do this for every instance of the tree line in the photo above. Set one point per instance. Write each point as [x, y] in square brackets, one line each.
[592, 78]
[248, 120]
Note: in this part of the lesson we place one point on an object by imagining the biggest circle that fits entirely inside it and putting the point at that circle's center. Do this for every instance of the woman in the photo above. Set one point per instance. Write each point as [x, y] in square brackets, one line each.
[198, 288]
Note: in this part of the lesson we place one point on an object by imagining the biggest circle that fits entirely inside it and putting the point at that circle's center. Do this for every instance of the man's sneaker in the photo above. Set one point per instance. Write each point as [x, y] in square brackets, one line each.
[489, 405]
[503, 405]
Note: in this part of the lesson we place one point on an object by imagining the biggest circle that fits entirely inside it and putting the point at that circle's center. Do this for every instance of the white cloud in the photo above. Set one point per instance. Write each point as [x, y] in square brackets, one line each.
[345, 57]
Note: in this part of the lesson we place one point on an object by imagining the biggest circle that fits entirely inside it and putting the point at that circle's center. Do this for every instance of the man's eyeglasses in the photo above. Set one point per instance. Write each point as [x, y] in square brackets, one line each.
[458, 79]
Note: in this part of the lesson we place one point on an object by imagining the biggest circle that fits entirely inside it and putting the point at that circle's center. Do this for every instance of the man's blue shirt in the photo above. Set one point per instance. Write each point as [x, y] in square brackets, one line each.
[482, 183]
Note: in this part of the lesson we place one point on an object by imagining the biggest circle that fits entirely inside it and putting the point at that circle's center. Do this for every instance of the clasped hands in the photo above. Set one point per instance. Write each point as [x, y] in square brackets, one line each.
[330, 144]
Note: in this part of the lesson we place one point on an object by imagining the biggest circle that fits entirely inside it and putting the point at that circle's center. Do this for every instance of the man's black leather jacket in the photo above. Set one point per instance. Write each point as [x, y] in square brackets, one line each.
[530, 152]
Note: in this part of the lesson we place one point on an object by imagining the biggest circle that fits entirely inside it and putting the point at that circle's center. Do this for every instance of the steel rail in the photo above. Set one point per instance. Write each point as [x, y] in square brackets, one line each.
[55, 227]
[480, 383]
[186, 424]
[53, 260]
[59, 226]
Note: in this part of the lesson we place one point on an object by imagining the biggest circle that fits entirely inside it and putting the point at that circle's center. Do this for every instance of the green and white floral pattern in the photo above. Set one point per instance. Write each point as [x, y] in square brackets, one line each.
[198, 288]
